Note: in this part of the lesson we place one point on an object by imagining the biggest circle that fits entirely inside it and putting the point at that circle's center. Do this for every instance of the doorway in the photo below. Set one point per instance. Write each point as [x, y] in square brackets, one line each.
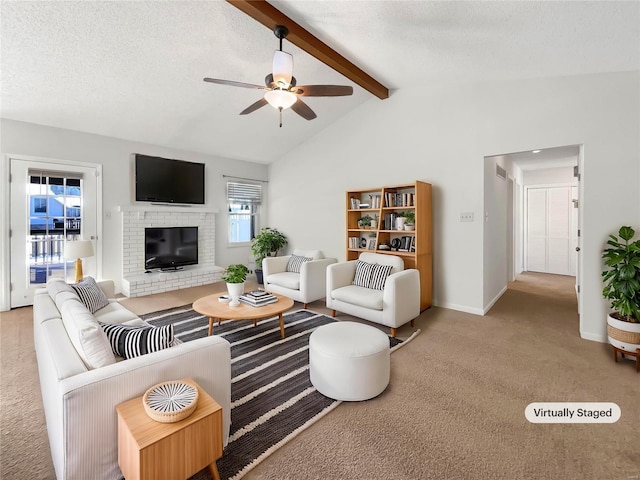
[505, 212]
[52, 202]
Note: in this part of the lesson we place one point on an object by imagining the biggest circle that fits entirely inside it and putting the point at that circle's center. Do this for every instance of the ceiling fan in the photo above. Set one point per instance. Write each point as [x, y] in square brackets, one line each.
[282, 92]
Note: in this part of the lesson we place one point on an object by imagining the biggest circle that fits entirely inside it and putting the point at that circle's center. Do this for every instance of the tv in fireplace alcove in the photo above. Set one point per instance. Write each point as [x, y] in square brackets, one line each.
[170, 248]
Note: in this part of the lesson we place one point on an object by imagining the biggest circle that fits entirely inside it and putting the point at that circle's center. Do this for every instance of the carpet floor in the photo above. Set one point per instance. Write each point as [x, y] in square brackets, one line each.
[272, 399]
[454, 408]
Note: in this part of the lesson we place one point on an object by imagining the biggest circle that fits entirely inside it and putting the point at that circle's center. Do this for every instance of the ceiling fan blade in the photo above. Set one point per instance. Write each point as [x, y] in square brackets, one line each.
[323, 90]
[233, 84]
[303, 110]
[254, 106]
[282, 68]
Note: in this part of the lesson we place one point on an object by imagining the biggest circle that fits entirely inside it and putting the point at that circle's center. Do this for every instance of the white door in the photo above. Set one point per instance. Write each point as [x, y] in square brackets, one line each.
[51, 202]
[551, 239]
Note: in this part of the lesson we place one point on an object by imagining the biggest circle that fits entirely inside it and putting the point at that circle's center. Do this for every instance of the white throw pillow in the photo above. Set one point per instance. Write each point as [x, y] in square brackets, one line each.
[87, 336]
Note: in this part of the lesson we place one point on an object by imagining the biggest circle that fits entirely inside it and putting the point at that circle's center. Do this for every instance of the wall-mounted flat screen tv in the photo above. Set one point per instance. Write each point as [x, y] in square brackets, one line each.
[163, 180]
[170, 248]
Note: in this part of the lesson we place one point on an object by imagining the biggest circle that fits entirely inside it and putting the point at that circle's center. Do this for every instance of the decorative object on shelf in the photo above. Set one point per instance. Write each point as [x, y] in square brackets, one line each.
[410, 220]
[365, 221]
[170, 402]
[266, 244]
[400, 222]
[235, 276]
[77, 250]
[622, 289]
[395, 243]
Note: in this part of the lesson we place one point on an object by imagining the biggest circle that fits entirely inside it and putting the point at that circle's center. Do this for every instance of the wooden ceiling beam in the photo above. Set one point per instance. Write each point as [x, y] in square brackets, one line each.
[269, 16]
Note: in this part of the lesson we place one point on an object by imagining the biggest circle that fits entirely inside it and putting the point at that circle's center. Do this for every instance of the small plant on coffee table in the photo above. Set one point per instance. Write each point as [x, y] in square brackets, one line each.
[236, 273]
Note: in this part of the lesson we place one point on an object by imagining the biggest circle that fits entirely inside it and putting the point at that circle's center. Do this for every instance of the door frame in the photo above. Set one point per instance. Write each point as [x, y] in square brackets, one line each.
[5, 216]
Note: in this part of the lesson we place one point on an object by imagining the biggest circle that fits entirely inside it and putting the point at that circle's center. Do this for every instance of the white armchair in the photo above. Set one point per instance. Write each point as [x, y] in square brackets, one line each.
[397, 303]
[305, 286]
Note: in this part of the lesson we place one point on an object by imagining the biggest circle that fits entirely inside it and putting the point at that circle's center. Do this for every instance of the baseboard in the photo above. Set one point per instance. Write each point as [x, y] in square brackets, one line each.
[459, 308]
[594, 337]
[495, 299]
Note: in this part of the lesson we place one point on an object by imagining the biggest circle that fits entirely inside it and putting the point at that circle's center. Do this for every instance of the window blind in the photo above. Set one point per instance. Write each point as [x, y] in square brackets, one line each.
[244, 193]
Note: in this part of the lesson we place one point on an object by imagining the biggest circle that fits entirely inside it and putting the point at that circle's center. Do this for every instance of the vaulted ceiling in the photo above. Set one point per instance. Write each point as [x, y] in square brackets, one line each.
[134, 70]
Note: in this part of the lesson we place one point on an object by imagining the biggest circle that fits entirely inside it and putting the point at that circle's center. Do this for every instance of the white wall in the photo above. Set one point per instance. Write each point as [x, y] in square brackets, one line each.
[495, 231]
[441, 135]
[21, 138]
[550, 176]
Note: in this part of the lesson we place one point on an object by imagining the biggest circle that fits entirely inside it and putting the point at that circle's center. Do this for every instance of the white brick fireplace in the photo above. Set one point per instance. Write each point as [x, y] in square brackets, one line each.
[135, 281]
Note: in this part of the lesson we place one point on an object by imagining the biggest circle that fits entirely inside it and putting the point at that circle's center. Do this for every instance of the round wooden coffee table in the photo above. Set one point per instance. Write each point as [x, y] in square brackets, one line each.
[215, 309]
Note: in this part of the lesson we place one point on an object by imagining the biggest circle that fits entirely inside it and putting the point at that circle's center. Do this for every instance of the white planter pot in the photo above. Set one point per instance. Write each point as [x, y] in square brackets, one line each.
[235, 290]
[400, 223]
[623, 335]
[409, 226]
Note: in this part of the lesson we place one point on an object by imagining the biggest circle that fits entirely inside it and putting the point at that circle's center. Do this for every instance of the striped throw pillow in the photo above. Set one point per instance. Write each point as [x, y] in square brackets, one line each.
[363, 274]
[379, 276]
[129, 342]
[90, 294]
[295, 263]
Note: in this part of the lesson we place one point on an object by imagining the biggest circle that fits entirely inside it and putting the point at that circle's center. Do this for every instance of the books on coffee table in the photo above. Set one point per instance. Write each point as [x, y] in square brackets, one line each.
[258, 298]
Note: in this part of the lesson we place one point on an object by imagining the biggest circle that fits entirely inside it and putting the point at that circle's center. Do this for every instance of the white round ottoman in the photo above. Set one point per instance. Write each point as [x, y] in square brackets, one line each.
[349, 361]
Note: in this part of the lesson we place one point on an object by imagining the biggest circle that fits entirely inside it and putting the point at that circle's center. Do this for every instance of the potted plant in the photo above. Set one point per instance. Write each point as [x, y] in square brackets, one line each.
[410, 220]
[622, 289]
[365, 221]
[235, 276]
[266, 244]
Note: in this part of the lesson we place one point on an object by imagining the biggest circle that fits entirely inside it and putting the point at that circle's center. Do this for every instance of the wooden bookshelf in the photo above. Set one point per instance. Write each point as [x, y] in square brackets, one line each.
[384, 204]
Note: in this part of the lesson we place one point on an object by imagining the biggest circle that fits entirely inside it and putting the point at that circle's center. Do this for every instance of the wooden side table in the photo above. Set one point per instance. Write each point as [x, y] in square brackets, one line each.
[168, 451]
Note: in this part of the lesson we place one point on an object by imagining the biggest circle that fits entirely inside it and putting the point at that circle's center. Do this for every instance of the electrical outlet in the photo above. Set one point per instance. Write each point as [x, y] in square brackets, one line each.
[466, 216]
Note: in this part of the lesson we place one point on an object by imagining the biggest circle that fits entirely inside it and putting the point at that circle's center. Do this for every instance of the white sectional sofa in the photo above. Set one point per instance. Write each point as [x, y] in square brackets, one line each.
[81, 385]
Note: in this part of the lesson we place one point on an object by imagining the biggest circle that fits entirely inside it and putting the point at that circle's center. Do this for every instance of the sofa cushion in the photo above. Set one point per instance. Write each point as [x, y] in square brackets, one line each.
[90, 294]
[362, 277]
[129, 341]
[288, 280]
[295, 263]
[361, 296]
[314, 254]
[60, 291]
[85, 333]
[114, 312]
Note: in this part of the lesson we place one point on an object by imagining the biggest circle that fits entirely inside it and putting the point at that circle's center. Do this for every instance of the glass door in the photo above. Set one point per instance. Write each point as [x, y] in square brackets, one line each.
[50, 203]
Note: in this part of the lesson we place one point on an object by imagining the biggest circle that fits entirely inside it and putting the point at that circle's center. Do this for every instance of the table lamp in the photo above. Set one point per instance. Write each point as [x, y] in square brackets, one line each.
[77, 250]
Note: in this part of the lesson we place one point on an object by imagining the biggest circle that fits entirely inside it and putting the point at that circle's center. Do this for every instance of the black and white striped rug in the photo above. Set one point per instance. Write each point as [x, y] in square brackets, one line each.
[272, 399]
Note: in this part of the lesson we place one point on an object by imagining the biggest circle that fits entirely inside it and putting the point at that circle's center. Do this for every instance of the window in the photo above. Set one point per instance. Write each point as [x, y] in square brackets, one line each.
[55, 201]
[243, 200]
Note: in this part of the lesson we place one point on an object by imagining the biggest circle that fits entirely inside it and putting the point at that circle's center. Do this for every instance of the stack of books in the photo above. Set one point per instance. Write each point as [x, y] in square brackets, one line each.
[258, 298]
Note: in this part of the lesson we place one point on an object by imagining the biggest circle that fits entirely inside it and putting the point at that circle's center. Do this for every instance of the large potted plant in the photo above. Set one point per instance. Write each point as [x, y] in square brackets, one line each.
[235, 276]
[266, 244]
[622, 289]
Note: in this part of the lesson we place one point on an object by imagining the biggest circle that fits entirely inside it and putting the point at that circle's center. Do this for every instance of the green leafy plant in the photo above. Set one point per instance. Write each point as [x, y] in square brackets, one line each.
[266, 243]
[365, 220]
[236, 273]
[622, 277]
[410, 216]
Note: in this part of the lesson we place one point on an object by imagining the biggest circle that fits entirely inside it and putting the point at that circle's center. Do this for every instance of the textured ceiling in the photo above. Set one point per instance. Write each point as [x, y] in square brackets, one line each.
[134, 69]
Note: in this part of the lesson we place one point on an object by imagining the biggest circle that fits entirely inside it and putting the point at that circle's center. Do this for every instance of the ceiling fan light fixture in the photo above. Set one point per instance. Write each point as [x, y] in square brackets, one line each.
[280, 99]
[282, 68]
